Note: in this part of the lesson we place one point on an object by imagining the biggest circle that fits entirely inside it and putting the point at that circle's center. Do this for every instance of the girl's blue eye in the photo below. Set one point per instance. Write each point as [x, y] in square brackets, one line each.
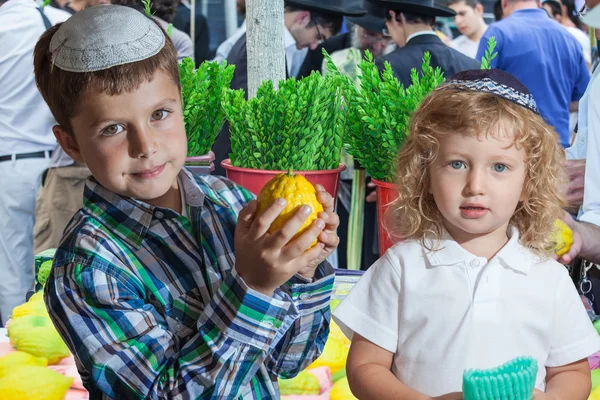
[457, 164]
[112, 130]
[499, 167]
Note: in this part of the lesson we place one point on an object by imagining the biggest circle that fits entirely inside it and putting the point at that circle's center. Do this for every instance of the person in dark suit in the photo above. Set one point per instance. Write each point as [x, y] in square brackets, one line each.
[308, 23]
[182, 22]
[409, 23]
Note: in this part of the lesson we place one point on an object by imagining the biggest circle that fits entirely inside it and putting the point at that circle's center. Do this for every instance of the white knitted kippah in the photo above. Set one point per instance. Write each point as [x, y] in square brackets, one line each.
[104, 36]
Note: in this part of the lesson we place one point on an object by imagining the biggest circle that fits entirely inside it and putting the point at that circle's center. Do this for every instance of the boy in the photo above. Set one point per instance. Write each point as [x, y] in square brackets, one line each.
[146, 289]
[470, 23]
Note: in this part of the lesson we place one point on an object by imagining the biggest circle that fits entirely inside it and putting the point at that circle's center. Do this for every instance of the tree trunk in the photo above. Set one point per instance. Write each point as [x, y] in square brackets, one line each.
[264, 43]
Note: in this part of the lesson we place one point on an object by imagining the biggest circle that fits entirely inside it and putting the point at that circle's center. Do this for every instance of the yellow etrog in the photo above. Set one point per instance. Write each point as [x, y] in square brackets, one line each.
[334, 356]
[18, 359]
[304, 383]
[341, 391]
[37, 383]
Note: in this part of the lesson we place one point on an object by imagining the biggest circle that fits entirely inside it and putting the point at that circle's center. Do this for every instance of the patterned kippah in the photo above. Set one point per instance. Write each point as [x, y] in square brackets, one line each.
[104, 36]
[493, 81]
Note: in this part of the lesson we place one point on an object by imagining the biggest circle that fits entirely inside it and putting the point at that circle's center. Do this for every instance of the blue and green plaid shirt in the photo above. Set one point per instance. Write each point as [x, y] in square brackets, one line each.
[149, 303]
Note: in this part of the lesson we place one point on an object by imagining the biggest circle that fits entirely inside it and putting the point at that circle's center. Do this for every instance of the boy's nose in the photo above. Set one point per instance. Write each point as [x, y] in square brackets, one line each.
[142, 142]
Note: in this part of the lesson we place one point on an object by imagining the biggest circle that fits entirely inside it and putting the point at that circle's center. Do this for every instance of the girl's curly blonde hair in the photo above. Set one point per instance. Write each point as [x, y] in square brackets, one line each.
[447, 111]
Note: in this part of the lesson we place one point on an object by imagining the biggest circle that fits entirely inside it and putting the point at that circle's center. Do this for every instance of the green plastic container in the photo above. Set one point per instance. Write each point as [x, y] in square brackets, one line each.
[514, 380]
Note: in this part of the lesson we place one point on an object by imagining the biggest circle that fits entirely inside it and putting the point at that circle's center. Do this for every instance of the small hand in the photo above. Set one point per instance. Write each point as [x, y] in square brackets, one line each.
[371, 197]
[266, 261]
[539, 395]
[328, 237]
[450, 396]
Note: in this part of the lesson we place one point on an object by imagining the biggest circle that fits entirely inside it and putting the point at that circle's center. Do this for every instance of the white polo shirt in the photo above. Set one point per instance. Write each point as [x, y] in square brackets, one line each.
[446, 311]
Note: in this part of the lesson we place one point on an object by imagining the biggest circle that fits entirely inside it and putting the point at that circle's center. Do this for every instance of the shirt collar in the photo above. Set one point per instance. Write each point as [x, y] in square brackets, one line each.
[513, 255]
[288, 39]
[419, 34]
[130, 219]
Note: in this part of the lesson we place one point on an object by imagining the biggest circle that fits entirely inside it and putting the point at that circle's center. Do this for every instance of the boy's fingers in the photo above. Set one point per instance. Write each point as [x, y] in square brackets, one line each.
[263, 222]
[246, 216]
[324, 198]
[287, 231]
[301, 244]
[330, 240]
[309, 256]
[332, 220]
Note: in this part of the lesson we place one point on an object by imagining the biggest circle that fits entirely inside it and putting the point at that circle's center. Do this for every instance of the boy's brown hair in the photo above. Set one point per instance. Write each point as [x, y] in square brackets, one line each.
[64, 90]
[414, 214]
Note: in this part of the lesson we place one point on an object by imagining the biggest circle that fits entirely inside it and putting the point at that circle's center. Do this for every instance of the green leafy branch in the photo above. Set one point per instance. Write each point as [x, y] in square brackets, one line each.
[201, 91]
[490, 54]
[379, 113]
[299, 126]
[147, 7]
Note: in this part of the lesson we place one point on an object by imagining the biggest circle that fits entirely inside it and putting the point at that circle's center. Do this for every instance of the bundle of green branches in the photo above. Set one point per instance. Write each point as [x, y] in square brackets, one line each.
[380, 112]
[201, 90]
[299, 126]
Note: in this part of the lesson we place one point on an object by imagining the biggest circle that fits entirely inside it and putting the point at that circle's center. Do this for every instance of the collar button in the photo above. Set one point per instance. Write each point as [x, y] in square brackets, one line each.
[159, 215]
[474, 263]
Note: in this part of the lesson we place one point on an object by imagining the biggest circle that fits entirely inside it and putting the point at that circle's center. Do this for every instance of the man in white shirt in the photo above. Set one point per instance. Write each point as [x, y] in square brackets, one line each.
[586, 151]
[27, 143]
[470, 23]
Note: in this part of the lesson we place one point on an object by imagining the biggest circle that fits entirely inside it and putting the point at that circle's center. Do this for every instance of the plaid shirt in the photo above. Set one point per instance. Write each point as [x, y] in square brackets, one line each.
[149, 303]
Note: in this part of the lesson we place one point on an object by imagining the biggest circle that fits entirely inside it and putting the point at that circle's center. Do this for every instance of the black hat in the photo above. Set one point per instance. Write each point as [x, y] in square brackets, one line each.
[419, 7]
[373, 20]
[493, 81]
[339, 7]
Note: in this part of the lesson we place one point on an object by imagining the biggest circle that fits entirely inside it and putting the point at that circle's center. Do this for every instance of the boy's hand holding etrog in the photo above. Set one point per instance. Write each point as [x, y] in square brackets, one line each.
[266, 260]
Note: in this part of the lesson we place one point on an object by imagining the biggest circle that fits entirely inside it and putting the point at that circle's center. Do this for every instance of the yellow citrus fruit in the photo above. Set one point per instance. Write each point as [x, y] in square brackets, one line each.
[562, 236]
[296, 191]
[18, 359]
[336, 332]
[341, 390]
[334, 356]
[34, 383]
[304, 383]
[35, 306]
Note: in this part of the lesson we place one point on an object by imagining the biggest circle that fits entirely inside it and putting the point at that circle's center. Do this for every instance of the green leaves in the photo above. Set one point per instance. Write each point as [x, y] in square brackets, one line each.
[490, 54]
[298, 126]
[379, 113]
[147, 8]
[202, 91]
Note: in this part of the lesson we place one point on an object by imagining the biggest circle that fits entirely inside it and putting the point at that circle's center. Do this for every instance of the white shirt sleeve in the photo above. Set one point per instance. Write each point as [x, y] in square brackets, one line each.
[371, 307]
[573, 336]
[591, 195]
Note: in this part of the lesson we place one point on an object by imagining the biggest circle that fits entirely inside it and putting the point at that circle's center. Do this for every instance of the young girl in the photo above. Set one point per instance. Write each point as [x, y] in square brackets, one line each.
[473, 284]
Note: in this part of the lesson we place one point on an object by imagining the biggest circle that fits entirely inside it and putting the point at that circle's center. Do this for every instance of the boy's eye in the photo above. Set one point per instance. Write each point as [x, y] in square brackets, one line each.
[112, 130]
[500, 167]
[159, 114]
[456, 164]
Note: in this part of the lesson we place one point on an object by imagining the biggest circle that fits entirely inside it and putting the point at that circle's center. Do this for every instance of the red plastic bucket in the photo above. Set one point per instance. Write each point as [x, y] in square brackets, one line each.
[386, 194]
[255, 179]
